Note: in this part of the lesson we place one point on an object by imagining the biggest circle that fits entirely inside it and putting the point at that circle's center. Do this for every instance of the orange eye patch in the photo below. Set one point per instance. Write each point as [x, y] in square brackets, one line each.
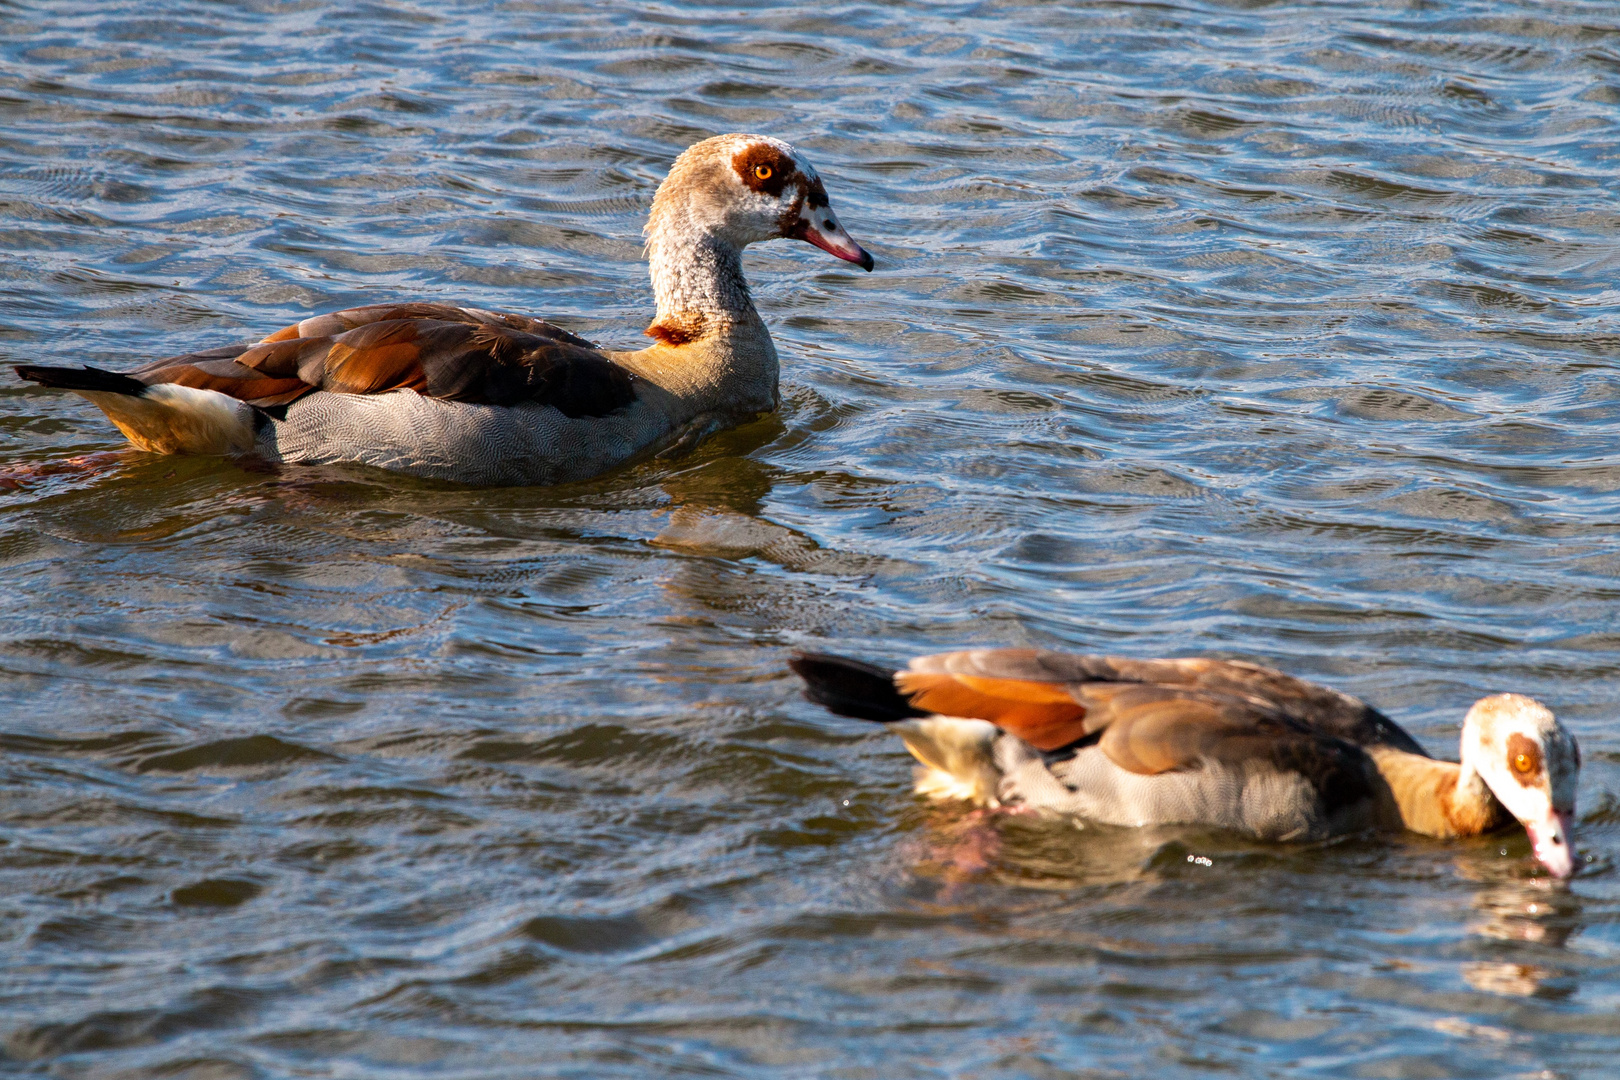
[762, 167]
[1524, 758]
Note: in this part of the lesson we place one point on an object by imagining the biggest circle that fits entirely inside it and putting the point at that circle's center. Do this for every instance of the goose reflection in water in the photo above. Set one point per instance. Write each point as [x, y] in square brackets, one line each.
[1524, 916]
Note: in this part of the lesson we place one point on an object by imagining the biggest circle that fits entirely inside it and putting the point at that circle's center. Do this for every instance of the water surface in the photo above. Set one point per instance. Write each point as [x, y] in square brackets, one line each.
[1282, 331]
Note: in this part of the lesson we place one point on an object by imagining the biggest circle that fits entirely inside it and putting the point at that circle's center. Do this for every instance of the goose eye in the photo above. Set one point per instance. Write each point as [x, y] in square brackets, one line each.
[762, 172]
[1521, 763]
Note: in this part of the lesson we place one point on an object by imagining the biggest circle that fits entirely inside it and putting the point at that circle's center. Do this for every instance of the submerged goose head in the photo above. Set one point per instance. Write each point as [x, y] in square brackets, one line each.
[721, 195]
[1530, 762]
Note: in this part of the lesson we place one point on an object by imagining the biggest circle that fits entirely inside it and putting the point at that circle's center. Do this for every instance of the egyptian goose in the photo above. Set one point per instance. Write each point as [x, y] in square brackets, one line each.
[487, 397]
[1210, 742]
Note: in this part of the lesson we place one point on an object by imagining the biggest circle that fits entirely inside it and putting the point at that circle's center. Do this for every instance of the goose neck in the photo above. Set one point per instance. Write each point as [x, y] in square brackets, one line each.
[1471, 792]
[697, 278]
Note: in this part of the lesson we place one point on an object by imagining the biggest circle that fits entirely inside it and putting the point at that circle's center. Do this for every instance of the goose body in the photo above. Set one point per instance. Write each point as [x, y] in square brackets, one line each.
[1207, 742]
[485, 397]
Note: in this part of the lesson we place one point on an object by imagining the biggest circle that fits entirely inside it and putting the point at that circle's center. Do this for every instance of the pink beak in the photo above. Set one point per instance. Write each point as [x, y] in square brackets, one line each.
[834, 241]
[1551, 841]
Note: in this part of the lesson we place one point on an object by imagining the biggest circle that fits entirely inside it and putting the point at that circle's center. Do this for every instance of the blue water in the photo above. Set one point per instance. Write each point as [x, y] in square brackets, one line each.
[1281, 331]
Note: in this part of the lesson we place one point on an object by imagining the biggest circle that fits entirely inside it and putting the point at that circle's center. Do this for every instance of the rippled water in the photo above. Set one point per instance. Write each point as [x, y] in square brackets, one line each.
[1281, 331]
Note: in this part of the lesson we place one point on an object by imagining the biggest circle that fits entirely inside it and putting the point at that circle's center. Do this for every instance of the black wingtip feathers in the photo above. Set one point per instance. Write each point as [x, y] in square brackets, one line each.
[852, 687]
[81, 378]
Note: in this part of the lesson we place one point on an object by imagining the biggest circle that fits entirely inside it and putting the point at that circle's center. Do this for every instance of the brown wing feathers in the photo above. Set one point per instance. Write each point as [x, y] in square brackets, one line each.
[1148, 716]
[454, 354]
[1240, 687]
[334, 323]
[224, 370]
[1152, 729]
[1143, 728]
[1043, 714]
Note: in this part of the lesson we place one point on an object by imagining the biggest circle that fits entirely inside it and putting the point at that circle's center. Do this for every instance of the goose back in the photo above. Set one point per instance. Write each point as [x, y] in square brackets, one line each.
[1155, 715]
[440, 351]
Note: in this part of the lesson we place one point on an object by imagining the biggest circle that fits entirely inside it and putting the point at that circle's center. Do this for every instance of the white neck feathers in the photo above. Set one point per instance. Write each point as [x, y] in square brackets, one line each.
[694, 246]
[695, 274]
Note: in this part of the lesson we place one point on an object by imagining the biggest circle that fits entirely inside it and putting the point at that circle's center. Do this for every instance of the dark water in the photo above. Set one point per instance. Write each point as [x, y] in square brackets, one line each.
[1281, 331]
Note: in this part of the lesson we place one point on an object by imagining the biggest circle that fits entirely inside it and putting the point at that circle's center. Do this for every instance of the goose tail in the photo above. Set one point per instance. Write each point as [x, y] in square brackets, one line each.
[957, 753]
[81, 379]
[852, 688]
[164, 418]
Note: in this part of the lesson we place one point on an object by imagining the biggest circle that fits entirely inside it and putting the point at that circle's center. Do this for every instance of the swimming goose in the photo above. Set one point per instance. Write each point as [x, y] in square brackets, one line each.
[487, 397]
[1202, 741]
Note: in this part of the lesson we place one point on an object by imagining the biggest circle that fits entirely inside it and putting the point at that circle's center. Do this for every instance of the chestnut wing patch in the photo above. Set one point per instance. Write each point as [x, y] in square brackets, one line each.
[337, 322]
[1043, 714]
[474, 363]
[222, 370]
[1143, 728]
[479, 358]
[1154, 716]
[1308, 705]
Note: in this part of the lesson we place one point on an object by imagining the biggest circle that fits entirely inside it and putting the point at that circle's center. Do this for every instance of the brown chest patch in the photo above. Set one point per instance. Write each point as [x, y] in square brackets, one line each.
[1524, 760]
[676, 331]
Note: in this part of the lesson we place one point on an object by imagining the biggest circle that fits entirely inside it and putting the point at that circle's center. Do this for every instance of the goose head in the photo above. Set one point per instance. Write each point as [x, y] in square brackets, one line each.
[1531, 763]
[736, 190]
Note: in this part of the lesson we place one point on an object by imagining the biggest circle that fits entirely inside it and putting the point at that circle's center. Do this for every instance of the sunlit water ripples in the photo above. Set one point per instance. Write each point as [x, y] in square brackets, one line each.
[1278, 331]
